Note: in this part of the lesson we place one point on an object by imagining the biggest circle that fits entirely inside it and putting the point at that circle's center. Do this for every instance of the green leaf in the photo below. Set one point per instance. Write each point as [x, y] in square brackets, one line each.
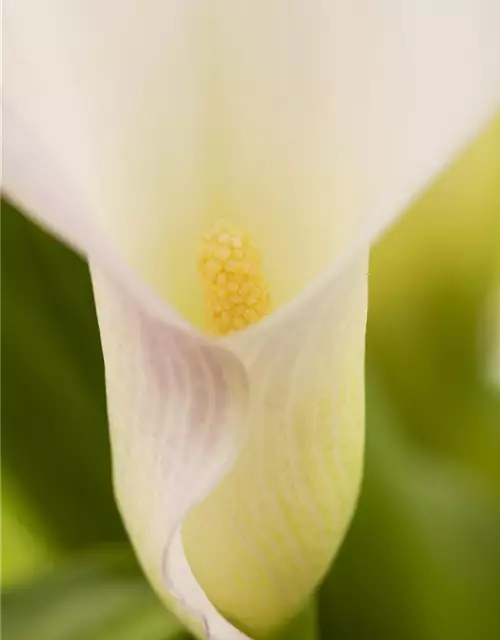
[28, 548]
[101, 596]
[430, 281]
[422, 558]
[303, 627]
[54, 426]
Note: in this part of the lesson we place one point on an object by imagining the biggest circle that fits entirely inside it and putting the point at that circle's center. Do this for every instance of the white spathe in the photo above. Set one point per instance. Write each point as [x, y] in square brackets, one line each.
[129, 128]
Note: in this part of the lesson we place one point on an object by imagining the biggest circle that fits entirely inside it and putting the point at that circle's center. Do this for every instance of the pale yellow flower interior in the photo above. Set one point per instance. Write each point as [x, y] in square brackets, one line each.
[287, 251]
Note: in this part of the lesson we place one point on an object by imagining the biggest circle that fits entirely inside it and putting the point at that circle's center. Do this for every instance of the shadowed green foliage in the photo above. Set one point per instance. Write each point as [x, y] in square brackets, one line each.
[99, 596]
[55, 440]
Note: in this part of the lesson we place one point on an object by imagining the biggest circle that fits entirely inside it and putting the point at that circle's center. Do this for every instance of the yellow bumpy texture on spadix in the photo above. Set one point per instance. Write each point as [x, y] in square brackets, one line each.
[235, 289]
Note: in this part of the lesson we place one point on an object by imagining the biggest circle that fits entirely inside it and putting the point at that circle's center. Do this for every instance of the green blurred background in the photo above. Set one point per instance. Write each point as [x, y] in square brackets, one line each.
[422, 558]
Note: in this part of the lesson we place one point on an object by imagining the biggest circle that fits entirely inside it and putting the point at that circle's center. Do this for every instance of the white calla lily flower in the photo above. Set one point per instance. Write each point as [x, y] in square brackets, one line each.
[279, 138]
